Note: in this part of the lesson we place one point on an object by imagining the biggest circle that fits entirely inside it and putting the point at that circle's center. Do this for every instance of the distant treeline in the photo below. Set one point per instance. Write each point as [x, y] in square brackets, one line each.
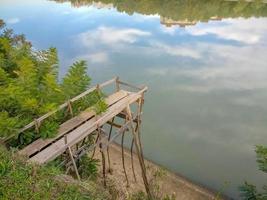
[193, 10]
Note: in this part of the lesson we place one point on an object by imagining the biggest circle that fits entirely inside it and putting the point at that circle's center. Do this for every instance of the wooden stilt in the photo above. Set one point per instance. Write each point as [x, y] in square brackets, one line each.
[117, 84]
[141, 161]
[132, 148]
[123, 160]
[72, 159]
[138, 124]
[109, 136]
[97, 138]
[103, 158]
[70, 107]
[74, 163]
[132, 162]
[37, 125]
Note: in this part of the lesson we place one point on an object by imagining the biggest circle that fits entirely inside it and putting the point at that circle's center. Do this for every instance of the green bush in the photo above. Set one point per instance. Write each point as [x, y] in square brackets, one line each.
[249, 191]
[29, 88]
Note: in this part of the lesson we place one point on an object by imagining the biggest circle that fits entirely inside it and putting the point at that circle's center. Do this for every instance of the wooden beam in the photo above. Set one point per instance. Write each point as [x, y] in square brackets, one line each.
[130, 85]
[114, 124]
[74, 163]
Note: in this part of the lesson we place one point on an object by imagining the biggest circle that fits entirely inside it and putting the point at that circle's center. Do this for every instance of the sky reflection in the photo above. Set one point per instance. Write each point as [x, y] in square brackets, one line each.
[206, 107]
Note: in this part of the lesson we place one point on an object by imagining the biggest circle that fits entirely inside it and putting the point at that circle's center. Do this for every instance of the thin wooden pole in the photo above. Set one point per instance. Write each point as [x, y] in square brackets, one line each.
[97, 138]
[70, 108]
[117, 84]
[109, 136]
[37, 125]
[128, 110]
[132, 148]
[103, 158]
[71, 157]
[132, 161]
[74, 163]
[122, 157]
[138, 124]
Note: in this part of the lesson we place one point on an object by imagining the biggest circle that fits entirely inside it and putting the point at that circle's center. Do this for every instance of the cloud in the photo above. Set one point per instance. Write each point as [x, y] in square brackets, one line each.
[241, 30]
[14, 20]
[223, 67]
[111, 36]
[168, 30]
[96, 58]
[177, 50]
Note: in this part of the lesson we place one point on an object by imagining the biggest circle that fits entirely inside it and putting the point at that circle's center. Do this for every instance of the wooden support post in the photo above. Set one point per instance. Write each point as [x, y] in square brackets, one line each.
[97, 138]
[137, 129]
[97, 87]
[132, 161]
[71, 157]
[109, 136]
[70, 108]
[74, 163]
[138, 124]
[141, 161]
[37, 125]
[103, 158]
[117, 84]
[122, 156]
[114, 124]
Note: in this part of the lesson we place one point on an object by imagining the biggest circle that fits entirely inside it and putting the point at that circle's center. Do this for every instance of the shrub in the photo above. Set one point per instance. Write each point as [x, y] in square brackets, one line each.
[29, 88]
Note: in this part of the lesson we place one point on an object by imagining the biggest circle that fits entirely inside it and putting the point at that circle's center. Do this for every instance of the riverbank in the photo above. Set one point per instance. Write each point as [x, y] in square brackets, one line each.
[163, 181]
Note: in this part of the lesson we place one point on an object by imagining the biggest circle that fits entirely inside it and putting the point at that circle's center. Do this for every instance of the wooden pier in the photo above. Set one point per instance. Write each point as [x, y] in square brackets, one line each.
[125, 102]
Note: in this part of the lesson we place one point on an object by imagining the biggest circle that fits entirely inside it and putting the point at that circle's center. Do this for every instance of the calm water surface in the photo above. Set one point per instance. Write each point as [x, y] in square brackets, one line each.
[205, 63]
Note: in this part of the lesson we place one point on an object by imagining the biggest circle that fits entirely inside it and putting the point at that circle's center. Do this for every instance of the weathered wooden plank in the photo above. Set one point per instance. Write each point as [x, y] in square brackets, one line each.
[70, 125]
[84, 130]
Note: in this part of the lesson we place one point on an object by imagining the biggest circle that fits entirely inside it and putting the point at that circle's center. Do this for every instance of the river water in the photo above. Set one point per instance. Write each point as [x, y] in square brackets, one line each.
[204, 62]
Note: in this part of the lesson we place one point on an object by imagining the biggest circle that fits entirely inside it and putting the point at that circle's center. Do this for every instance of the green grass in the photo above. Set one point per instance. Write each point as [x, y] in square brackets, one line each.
[20, 180]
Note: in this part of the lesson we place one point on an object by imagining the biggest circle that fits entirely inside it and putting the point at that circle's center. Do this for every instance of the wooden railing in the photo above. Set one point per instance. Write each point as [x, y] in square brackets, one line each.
[38, 121]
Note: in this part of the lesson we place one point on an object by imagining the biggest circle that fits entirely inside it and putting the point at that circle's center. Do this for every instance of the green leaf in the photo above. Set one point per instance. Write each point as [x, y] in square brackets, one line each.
[76, 81]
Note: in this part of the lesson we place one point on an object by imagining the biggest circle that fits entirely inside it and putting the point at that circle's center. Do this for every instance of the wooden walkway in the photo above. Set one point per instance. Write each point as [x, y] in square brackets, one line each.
[73, 133]
[67, 127]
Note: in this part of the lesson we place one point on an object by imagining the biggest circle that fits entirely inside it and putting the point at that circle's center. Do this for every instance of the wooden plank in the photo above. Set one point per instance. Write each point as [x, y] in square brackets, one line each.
[84, 130]
[70, 125]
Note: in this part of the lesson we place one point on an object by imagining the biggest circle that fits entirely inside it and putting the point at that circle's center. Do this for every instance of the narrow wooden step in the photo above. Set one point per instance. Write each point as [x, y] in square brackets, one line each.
[75, 136]
[69, 125]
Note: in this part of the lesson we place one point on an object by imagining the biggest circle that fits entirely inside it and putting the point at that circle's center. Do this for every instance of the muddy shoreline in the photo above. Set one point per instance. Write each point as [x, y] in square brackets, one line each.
[168, 182]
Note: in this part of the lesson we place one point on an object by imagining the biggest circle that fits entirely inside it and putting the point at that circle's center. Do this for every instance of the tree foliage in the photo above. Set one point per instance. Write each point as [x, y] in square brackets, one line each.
[249, 191]
[192, 10]
[76, 79]
[29, 86]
